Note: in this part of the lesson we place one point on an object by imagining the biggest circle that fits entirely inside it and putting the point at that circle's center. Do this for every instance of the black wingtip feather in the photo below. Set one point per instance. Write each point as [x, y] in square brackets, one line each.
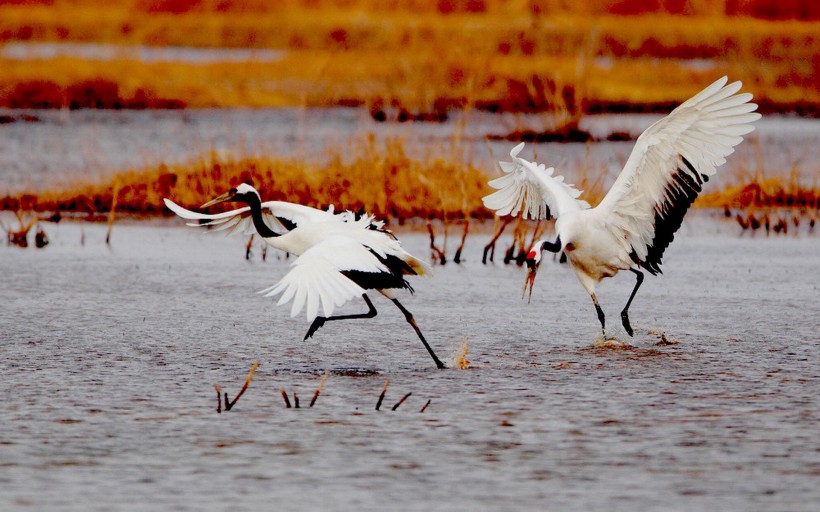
[680, 194]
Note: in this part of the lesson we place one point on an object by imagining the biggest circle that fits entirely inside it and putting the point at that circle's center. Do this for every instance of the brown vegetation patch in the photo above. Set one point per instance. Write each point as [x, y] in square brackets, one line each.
[382, 180]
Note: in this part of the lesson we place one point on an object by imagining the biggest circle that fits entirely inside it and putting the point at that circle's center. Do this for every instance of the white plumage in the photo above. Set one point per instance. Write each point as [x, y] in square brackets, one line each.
[637, 219]
[281, 216]
[316, 279]
[340, 256]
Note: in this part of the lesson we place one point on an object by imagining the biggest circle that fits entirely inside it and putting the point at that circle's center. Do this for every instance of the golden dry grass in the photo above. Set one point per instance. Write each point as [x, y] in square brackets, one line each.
[421, 55]
[766, 192]
[380, 178]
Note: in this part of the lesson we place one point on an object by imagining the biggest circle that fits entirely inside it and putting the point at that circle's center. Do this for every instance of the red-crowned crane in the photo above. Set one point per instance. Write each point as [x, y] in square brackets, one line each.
[637, 219]
[340, 256]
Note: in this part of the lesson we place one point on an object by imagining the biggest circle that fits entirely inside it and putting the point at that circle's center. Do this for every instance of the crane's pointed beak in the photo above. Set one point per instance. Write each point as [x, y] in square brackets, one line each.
[532, 270]
[227, 196]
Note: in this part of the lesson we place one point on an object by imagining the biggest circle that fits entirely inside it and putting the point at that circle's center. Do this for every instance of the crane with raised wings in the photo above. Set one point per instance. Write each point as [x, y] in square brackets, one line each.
[637, 219]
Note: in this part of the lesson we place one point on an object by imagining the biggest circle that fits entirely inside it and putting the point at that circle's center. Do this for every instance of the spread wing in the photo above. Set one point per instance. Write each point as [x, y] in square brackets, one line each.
[669, 164]
[531, 189]
[280, 216]
[316, 277]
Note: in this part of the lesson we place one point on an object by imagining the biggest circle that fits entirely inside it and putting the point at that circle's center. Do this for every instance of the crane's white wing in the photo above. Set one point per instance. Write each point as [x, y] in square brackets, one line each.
[278, 215]
[317, 278]
[669, 164]
[363, 220]
[531, 189]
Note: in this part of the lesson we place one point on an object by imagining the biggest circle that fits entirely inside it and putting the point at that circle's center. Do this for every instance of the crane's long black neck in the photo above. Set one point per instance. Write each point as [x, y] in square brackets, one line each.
[256, 214]
[552, 247]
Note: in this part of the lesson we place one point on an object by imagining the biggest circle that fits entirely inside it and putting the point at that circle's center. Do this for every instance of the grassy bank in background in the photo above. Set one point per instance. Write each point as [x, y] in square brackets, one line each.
[424, 57]
[380, 178]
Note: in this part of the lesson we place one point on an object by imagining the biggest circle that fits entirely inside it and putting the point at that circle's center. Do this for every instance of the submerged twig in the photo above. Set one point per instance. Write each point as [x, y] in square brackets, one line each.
[381, 396]
[218, 389]
[319, 389]
[424, 408]
[405, 397]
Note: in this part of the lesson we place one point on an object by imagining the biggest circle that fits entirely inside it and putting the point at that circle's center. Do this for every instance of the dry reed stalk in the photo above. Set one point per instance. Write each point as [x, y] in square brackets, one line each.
[381, 396]
[229, 405]
[319, 389]
[114, 196]
[218, 389]
[536, 235]
[19, 236]
[500, 224]
[405, 397]
[518, 241]
[248, 248]
[436, 254]
[285, 397]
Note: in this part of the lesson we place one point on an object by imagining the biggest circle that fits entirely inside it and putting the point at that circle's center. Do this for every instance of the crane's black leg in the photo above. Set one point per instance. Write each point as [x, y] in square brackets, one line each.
[412, 321]
[320, 320]
[600, 312]
[625, 312]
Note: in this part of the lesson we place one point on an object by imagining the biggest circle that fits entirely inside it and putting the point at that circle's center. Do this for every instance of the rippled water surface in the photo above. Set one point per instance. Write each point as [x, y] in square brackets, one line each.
[109, 356]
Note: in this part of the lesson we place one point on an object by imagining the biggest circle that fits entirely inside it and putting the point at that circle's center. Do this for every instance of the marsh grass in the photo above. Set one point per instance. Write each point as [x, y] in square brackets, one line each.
[444, 189]
[422, 57]
[379, 178]
[796, 190]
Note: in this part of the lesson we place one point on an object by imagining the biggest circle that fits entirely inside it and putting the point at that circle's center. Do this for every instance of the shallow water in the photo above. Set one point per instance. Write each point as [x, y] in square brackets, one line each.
[109, 356]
